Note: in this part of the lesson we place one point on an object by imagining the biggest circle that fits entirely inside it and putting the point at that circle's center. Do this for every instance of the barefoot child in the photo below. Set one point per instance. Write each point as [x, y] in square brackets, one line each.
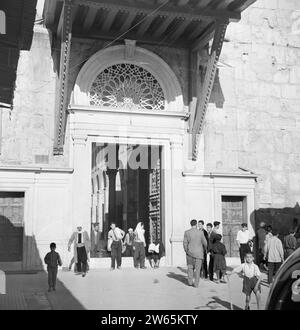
[52, 260]
[252, 279]
[219, 251]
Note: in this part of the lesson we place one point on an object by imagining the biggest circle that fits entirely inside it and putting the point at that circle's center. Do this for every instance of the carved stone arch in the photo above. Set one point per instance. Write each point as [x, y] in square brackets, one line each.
[143, 58]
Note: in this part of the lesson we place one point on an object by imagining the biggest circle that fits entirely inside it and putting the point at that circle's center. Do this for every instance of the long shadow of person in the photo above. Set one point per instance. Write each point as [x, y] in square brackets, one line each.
[224, 303]
[178, 277]
[182, 269]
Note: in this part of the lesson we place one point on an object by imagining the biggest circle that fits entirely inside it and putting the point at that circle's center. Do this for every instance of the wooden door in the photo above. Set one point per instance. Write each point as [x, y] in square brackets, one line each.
[233, 215]
[155, 200]
[11, 226]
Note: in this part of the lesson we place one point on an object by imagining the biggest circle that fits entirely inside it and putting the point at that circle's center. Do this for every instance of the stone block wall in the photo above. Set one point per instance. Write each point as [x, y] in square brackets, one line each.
[258, 126]
[28, 129]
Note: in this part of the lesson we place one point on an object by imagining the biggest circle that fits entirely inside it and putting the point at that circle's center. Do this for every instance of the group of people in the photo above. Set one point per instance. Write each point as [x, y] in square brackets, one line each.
[134, 245]
[205, 253]
[199, 244]
[272, 251]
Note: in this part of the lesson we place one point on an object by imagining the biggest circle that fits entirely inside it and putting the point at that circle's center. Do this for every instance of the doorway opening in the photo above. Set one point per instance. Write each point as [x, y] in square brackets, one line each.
[126, 189]
[11, 226]
[234, 213]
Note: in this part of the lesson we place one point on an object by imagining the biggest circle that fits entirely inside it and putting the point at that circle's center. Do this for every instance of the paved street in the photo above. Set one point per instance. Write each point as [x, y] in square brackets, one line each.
[164, 288]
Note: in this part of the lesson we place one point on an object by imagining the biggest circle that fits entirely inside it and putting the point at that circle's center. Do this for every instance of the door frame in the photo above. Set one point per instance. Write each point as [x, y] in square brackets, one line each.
[166, 203]
[19, 265]
[235, 187]
[244, 212]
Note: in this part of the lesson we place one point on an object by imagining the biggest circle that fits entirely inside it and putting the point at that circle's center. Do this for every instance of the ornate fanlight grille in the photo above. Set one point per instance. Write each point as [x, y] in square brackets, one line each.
[127, 86]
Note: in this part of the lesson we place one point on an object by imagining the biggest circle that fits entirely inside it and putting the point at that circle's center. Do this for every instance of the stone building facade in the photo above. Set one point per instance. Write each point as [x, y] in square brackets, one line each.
[248, 165]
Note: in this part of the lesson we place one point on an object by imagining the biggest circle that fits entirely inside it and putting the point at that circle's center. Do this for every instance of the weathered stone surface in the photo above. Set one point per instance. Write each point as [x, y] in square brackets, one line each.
[264, 52]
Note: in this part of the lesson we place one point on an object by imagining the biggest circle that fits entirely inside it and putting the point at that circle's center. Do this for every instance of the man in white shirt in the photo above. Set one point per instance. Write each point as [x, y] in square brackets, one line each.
[274, 254]
[116, 235]
[243, 238]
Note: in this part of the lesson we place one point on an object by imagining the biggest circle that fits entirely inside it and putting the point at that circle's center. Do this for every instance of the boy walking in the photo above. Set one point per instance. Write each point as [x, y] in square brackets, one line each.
[52, 260]
[252, 279]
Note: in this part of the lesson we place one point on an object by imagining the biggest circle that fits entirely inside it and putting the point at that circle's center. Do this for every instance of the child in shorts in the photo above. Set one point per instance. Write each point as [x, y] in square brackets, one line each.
[252, 279]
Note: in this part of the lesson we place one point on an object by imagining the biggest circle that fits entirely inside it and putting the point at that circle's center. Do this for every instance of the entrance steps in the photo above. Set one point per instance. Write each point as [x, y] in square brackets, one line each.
[127, 262]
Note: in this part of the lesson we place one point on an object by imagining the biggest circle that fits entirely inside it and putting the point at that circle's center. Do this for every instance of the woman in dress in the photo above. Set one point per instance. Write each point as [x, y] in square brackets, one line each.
[219, 251]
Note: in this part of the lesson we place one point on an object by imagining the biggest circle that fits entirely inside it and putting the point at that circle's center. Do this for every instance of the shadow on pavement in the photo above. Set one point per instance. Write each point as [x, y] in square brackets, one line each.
[182, 269]
[178, 277]
[27, 285]
[224, 303]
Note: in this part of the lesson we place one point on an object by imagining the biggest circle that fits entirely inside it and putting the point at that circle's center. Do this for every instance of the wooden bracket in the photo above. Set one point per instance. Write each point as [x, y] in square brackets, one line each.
[62, 90]
[203, 100]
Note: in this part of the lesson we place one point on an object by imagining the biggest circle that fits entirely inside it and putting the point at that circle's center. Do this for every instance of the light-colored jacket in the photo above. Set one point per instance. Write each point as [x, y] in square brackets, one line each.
[194, 243]
[86, 241]
[274, 250]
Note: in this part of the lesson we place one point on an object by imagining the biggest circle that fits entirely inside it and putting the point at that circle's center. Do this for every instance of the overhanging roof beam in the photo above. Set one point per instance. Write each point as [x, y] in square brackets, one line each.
[164, 10]
[128, 21]
[89, 19]
[144, 26]
[109, 20]
[163, 27]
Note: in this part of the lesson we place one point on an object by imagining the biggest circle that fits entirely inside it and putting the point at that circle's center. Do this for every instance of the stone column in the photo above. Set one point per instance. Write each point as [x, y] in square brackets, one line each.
[105, 211]
[81, 200]
[177, 191]
[112, 173]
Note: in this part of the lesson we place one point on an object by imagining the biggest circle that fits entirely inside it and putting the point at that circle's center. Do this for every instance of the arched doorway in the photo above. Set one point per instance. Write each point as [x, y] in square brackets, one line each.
[112, 88]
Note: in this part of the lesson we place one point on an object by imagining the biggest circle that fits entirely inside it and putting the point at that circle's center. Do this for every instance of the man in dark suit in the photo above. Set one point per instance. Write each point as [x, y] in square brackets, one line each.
[211, 237]
[194, 243]
[204, 267]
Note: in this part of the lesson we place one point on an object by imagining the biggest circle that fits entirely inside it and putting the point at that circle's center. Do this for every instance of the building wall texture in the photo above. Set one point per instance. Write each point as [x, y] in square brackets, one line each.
[256, 124]
[28, 129]
[253, 118]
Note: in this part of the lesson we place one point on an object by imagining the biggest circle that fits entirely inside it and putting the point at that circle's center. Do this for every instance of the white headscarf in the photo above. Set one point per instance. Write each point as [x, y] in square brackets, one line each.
[140, 232]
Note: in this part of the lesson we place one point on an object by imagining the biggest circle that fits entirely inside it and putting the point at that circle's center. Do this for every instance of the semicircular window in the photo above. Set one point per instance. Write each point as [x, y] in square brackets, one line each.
[127, 86]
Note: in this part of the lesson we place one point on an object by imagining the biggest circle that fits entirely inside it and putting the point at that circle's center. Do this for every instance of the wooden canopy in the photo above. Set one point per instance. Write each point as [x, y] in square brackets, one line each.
[183, 23]
[189, 24]
[19, 17]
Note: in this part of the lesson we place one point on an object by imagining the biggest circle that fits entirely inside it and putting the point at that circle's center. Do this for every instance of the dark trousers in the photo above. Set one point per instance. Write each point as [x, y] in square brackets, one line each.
[204, 269]
[261, 257]
[81, 259]
[272, 270]
[52, 275]
[244, 249]
[129, 251]
[211, 267]
[116, 254]
[139, 254]
[194, 268]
